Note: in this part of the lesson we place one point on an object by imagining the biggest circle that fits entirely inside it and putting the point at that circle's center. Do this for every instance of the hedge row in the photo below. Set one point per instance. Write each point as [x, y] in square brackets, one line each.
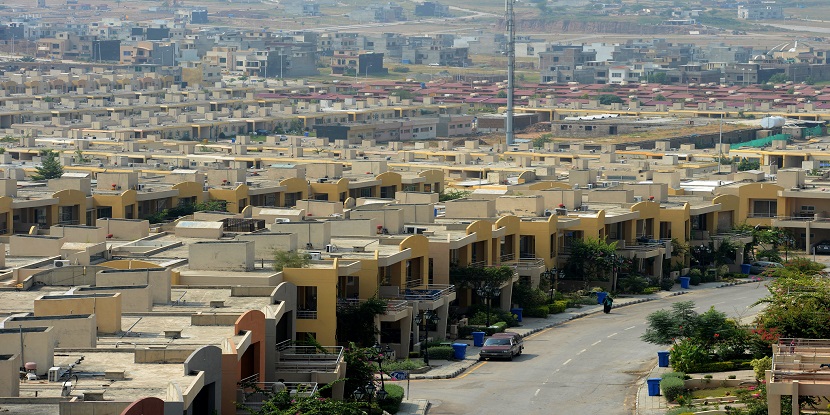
[440, 352]
[394, 397]
[727, 366]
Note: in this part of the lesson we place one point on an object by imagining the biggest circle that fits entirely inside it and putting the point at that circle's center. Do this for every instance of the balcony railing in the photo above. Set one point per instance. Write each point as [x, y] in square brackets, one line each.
[427, 292]
[761, 215]
[507, 257]
[298, 358]
[307, 314]
[391, 305]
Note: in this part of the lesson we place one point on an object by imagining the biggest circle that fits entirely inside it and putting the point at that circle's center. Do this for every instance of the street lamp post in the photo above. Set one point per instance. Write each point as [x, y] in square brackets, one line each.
[425, 317]
[380, 354]
[487, 292]
[367, 70]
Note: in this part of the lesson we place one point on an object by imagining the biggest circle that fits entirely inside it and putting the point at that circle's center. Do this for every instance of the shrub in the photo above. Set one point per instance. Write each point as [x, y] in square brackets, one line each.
[495, 328]
[479, 317]
[440, 352]
[558, 306]
[651, 290]
[688, 355]
[540, 311]
[666, 284]
[466, 331]
[679, 375]
[393, 399]
[731, 377]
[760, 366]
[408, 364]
[682, 410]
[727, 366]
[400, 69]
[707, 376]
[695, 278]
[672, 388]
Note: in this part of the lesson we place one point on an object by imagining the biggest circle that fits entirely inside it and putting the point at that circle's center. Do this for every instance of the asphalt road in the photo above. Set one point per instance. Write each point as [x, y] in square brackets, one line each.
[588, 366]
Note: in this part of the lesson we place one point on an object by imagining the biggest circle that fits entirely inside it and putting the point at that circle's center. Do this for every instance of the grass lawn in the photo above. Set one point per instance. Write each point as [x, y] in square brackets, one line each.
[714, 393]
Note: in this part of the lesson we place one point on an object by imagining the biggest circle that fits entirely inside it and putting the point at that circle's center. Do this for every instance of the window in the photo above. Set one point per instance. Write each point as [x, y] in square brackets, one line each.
[764, 208]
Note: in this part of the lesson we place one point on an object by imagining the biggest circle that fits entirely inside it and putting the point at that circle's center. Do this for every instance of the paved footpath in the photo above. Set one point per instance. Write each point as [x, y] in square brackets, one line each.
[646, 405]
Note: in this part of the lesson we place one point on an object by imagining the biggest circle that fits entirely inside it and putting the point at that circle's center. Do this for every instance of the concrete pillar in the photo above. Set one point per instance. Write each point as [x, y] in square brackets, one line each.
[506, 297]
[795, 408]
[807, 241]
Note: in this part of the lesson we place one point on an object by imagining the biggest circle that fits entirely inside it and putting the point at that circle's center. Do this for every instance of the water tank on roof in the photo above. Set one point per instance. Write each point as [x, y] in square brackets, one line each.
[772, 122]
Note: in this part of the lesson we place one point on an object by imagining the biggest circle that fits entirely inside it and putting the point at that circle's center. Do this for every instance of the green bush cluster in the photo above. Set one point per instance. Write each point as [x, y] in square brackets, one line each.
[679, 375]
[726, 366]
[394, 397]
[672, 388]
[402, 365]
[539, 311]
[651, 290]
[666, 284]
[400, 69]
[440, 352]
[558, 306]
[495, 328]
[479, 318]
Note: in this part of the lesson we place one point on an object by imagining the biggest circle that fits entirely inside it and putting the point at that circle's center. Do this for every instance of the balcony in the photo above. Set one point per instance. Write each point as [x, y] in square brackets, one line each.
[251, 394]
[435, 295]
[307, 314]
[392, 306]
[293, 358]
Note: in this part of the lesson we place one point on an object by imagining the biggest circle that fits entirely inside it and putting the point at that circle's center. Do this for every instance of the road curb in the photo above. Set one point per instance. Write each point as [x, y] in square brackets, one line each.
[533, 331]
[730, 284]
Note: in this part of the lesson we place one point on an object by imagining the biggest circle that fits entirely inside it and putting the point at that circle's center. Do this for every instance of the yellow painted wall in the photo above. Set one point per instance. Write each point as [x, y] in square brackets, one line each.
[118, 203]
[72, 197]
[231, 195]
[107, 309]
[325, 279]
[188, 190]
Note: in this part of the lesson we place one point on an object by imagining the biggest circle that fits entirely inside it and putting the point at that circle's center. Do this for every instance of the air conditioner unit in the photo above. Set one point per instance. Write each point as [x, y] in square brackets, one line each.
[59, 263]
[336, 215]
[139, 187]
[205, 188]
[316, 256]
[238, 183]
[157, 165]
[638, 198]
[130, 165]
[590, 185]
[54, 374]
[282, 220]
[548, 212]
[331, 248]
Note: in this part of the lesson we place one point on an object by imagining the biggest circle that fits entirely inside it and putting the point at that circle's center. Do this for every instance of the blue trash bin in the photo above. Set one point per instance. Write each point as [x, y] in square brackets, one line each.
[518, 313]
[745, 269]
[478, 338]
[653, 386]
[663, 359]
[684, 282]
[601, 296]
[459, 350]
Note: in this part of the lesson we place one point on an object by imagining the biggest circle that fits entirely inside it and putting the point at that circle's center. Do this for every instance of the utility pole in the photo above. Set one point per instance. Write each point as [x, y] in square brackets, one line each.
[511, 62]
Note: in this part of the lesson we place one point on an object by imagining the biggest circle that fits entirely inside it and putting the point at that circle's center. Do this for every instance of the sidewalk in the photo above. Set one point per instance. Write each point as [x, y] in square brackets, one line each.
[646, 405]
[444, 369]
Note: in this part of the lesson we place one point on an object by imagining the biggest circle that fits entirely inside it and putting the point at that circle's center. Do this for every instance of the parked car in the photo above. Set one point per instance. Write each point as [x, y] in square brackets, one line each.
[502, 346]
[758, 267]
[822, 247]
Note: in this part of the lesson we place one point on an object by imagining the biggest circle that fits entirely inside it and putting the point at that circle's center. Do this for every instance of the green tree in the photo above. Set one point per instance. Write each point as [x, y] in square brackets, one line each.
[50, 167]
[590, 259]
[657, 78]
[796, 305]
[501, 94]
[778, 78]
[746, 164]
[290, 259]
[540, 141]
[356, 321]
[285, 403]
[608, 99]
[696, 338]
[453, 194]
[659, 97]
